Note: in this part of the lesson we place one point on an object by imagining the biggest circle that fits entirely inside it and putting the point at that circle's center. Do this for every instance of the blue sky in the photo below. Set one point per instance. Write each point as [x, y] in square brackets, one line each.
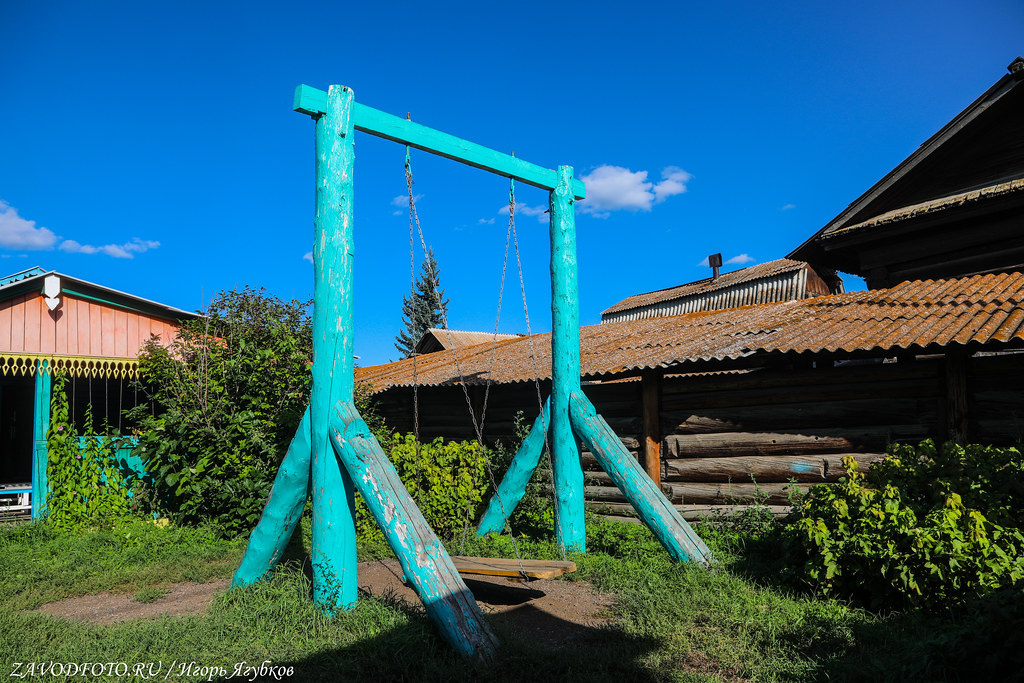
[151, 147]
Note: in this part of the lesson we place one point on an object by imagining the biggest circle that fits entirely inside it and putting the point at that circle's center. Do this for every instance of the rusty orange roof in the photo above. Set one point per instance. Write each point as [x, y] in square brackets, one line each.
[724, 280]
[981, 309]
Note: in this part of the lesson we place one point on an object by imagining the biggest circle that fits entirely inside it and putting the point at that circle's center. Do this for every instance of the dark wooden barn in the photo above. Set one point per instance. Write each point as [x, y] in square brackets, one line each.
[730, 405]
[953, 207]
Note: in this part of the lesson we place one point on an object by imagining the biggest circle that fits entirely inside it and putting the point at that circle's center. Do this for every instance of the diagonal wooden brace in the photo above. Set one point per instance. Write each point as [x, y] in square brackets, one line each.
[426, 563]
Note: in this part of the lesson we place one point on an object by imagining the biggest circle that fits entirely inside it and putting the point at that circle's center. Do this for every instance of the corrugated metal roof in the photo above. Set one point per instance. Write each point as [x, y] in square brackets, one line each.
[981, 309]
[459, 338]
[706, 285]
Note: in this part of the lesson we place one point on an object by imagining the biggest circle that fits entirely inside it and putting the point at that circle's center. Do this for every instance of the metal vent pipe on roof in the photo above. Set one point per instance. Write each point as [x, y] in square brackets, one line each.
[715, 261]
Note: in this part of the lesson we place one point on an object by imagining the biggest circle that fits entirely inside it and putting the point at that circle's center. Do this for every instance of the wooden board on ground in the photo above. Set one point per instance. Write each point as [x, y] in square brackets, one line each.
[493, 566]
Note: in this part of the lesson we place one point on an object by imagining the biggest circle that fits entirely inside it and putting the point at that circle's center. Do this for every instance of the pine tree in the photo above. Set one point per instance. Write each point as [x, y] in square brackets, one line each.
[424, 309]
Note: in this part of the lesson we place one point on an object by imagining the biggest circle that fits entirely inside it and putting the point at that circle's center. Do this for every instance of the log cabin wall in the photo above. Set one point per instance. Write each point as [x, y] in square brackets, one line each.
[727, 439]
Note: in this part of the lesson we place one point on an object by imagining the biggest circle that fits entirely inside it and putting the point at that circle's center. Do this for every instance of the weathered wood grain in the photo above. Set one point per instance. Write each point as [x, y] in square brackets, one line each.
[513, 484]
[334, 541]
[282, 512]
[802, 442]
[765, 469]
[425, 562]
[565, 366]
[663, 520]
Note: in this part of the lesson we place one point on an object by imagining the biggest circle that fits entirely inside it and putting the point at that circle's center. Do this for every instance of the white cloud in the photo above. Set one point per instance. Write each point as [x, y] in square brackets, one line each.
[526, 210]
[18, 233]
[613, 188]
[403, 199]
[485, 221]
[739, 260]
[787, 207]
[673, 182]
[308, 256]
[127, 250]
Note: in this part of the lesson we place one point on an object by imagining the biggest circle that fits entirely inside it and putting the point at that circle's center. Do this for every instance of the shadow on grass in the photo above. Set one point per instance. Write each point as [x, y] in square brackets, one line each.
[535, 646]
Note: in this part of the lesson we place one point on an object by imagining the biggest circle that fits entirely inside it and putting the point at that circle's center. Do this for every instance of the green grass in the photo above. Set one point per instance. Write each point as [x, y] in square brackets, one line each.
[670, 622]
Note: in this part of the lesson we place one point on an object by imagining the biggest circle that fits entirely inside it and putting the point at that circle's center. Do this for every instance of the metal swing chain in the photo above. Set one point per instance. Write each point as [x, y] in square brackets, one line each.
[412, 294]
[477, 426]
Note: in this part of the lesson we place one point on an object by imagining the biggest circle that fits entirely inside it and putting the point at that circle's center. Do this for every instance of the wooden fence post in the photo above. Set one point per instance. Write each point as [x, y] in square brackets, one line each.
[954, 370]
[651, 392]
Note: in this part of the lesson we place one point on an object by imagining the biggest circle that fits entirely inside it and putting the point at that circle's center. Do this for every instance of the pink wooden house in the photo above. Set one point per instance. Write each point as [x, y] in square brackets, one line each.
[92, 334]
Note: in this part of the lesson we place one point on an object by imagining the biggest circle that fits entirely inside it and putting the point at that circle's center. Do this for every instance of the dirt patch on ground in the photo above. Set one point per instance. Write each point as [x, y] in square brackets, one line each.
[552, 612]
[110, 608]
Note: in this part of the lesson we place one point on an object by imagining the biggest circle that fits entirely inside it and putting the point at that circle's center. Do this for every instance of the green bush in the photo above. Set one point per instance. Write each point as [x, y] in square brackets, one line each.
[448, 481]
[923, 527]
[229, 394]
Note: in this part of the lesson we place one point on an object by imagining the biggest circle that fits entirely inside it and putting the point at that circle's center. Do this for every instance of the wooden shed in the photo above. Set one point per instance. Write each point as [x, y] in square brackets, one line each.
[51, 322]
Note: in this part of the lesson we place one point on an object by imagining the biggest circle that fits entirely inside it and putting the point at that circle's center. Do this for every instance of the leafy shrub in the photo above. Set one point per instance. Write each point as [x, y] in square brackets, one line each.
[229, 392]
[448, 481]
[86, 487]
[923, 527]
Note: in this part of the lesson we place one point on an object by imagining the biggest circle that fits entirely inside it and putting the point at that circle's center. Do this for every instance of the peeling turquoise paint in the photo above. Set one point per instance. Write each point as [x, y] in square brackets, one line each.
[682, 543]
[513, 485]
[425, 562]
[283, 511]
[567, 472]
[334, 537]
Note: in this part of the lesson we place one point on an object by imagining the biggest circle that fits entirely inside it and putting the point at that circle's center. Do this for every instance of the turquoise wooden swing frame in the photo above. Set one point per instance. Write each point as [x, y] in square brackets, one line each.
[333, 452]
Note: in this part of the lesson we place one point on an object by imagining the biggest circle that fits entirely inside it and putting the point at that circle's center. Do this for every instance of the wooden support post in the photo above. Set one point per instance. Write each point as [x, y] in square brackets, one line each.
[282, 513]
[40, 453]
[334, 536]
[565, 366]
[954, 368]
[650, 503]
[423, 557]
[650, 383]
[513, 486]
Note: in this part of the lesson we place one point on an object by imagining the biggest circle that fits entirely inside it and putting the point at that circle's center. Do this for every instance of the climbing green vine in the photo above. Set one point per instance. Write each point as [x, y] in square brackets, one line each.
[86, 487]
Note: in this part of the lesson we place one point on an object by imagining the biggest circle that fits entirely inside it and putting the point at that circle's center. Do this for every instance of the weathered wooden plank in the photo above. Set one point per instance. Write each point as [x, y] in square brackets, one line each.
[663, 520]
[914, 388]
[954, 370]
[513, 485]
[651, 391]
[765, 469]
[802, 442]
[313, 102]
[565, 366]
[493, 566]
[863, 412]
[282, 512]
[689, 512]
[335, 585]
[425, 562]
[729, 493]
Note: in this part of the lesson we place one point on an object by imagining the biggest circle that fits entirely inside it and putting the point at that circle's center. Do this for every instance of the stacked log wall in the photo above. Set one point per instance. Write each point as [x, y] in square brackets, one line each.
[729, 440]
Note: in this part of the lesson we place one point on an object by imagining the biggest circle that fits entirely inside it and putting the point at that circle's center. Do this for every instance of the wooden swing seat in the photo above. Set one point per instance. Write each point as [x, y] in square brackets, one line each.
[515, 569]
